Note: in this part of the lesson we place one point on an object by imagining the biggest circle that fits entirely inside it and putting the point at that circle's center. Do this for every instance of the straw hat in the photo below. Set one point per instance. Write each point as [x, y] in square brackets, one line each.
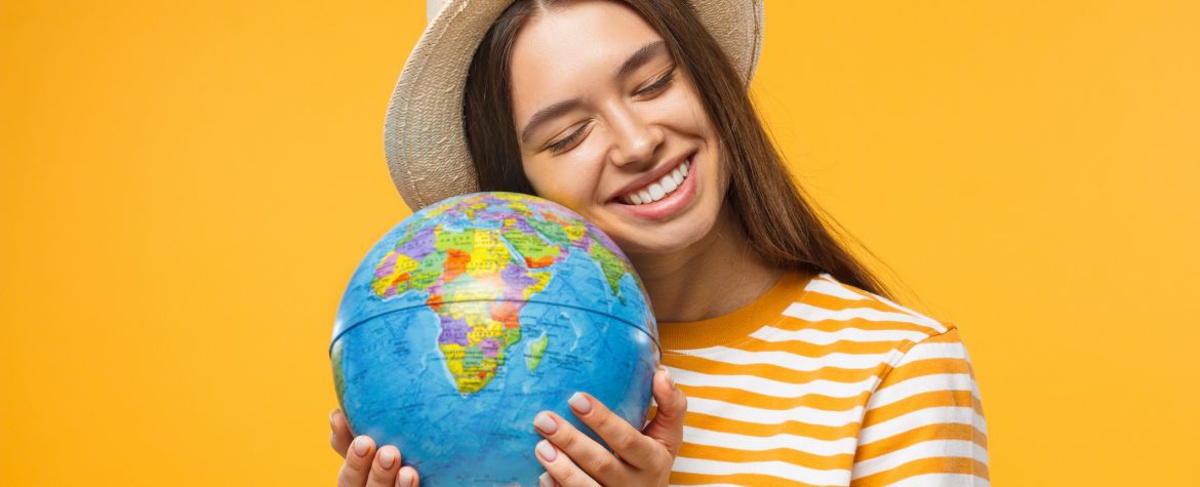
[423, 133]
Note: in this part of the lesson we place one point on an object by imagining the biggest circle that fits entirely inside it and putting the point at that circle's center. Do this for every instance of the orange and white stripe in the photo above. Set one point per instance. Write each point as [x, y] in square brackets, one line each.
[819, 383]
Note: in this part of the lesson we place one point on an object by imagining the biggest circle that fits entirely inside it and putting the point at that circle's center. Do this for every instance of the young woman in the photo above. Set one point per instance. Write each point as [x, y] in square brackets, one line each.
[797, 370]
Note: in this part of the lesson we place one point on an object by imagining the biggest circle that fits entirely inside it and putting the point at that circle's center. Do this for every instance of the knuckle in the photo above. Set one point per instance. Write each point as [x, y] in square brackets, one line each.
[599, 464]
[357, 465]
[672, 452]
[568, 439]
[380, 477]
[603, 422]
[624, 443]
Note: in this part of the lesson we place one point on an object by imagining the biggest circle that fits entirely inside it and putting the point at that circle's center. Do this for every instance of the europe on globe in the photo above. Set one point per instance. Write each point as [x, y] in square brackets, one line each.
[474, 314]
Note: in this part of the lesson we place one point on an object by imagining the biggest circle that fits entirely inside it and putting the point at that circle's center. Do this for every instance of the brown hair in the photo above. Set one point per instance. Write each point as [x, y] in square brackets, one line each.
[778, 221]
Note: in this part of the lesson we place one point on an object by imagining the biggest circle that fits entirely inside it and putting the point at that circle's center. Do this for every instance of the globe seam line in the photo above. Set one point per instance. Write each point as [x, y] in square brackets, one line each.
[652, 336]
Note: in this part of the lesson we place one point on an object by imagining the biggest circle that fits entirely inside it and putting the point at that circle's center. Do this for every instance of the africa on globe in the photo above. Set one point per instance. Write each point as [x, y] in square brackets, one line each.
[474, 314]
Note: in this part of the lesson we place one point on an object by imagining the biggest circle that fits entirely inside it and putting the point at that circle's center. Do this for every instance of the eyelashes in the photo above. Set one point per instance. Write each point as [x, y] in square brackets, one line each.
[566, 142]
[659, 84]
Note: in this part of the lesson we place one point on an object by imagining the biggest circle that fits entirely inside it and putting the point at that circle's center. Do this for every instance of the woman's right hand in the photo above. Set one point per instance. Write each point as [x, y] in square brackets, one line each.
[365, 465]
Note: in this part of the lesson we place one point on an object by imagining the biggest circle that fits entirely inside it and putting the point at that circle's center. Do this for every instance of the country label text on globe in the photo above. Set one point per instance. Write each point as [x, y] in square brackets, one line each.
[450, 263]
[474, 314]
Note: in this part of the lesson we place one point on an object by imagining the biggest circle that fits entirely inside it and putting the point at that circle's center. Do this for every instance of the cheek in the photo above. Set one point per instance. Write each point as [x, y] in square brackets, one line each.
[535, 177]
[557, 182]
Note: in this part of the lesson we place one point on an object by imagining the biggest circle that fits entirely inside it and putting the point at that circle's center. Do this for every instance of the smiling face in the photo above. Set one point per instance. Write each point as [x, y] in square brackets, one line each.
[611, 127]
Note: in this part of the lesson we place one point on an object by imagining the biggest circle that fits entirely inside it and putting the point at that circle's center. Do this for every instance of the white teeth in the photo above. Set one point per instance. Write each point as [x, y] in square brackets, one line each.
[669, 184]
[658, 189]
[656, 192]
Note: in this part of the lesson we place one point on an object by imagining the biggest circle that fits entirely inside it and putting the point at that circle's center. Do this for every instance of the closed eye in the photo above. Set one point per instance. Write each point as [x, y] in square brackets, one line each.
[565, 142]
[659, 84]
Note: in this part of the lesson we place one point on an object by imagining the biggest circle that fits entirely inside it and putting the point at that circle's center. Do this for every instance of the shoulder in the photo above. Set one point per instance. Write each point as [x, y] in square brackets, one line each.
[833, 312]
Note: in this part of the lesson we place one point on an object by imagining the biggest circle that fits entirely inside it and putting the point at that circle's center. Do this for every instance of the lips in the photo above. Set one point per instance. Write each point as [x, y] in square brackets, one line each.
[660, 187]
[672, 204]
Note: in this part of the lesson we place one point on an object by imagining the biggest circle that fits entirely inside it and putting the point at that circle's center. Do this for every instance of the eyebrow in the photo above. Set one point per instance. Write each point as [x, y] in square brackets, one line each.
[635, 61]
[642, 56]
[546, 114]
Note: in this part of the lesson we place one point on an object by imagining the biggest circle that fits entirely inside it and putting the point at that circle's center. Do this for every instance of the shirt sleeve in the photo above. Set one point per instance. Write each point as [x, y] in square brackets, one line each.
[924, 423]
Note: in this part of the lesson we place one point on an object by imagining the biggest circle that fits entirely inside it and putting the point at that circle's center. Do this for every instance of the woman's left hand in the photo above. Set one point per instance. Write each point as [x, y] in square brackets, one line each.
[642, 457]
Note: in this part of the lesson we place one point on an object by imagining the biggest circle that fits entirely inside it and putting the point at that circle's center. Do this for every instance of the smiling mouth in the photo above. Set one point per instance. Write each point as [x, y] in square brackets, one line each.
[660, 188]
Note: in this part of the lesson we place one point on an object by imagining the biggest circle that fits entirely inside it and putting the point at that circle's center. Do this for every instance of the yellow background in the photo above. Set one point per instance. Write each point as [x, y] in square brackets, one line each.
[186, 187]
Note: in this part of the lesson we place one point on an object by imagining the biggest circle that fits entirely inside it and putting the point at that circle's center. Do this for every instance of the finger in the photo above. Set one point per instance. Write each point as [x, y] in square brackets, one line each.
[357, 467]
[408, 477]
[585, 452]
[562, 470]
[385, 467]
[632, 446]
[667, 425]
[339, 432]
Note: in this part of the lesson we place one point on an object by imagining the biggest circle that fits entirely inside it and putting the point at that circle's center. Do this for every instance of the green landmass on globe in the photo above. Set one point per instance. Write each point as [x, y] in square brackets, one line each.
[474, 314]
[475, 269]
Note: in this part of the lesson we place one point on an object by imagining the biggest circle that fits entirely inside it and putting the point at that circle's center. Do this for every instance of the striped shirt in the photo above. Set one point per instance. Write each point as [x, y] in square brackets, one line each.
[820, 383]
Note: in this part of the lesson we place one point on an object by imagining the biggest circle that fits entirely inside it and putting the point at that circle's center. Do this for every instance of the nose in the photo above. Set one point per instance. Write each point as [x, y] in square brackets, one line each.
[635, 136]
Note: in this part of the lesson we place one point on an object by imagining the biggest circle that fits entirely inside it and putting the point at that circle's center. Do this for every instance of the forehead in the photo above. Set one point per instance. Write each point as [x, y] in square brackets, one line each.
[565, 51]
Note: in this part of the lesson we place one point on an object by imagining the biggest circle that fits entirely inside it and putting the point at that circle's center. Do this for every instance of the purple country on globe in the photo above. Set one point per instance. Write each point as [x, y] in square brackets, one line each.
[476, 313]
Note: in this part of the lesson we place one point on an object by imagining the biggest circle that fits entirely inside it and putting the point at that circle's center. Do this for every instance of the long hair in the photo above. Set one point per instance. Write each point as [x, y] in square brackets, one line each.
[779, 222]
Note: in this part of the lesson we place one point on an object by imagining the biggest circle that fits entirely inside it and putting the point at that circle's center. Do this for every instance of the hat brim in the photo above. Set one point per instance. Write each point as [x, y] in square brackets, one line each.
[423, 132]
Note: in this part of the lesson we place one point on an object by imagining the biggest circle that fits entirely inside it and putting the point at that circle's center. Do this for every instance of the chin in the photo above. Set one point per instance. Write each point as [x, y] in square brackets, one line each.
[661, 241]
[643, 248]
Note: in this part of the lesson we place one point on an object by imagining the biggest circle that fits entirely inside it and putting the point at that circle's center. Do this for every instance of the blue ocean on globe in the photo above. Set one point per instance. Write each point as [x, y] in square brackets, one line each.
[474, 314]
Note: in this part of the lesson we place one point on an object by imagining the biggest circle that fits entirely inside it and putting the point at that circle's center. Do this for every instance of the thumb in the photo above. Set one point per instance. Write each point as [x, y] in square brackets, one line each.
[667, 425]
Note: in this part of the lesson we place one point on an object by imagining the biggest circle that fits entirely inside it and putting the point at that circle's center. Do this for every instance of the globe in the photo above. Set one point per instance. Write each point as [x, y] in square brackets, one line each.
[474, 314]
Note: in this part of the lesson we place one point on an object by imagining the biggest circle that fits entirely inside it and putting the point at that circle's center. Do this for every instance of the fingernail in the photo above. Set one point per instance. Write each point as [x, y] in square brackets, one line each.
[546, 451]
[579, 403]
[670, 380]
[386, 459]
[544, 423]
[333, 414]
[361, 446]
[545, 480]
[406, 478]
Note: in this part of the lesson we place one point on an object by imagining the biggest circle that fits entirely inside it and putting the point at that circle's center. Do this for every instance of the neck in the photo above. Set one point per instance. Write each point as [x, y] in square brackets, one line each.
[715, 276]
